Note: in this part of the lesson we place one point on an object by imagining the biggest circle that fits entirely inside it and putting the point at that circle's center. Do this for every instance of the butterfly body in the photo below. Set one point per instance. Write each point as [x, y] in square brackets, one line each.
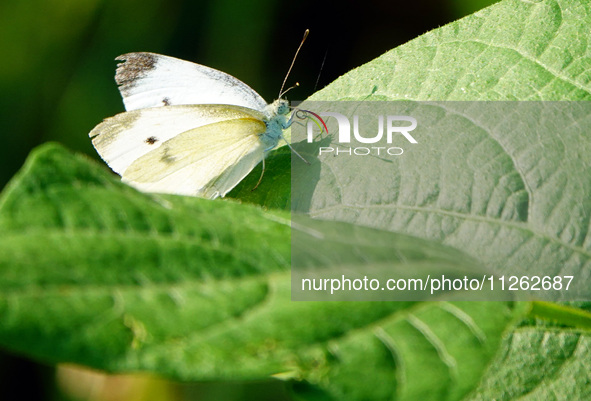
[277, 120]
[188, 129]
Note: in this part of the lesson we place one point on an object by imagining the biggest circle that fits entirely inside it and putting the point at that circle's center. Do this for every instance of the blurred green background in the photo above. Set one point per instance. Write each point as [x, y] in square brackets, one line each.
[56, 83]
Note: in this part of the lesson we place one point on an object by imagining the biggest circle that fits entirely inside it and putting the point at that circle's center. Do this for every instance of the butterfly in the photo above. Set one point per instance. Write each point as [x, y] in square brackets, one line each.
[188, 129]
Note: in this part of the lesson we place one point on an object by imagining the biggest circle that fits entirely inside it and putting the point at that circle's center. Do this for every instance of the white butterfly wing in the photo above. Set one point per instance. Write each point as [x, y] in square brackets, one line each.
[198, 150]
[124, 138]
[207, 161]
[153, 80]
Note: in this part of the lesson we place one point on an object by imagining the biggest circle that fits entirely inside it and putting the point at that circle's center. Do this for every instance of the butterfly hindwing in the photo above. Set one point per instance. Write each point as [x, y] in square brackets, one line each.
[122, 139]
[207, 161]
[153, 80]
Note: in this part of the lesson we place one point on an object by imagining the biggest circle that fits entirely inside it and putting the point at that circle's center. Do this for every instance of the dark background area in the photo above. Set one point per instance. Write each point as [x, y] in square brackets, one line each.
[56, 84]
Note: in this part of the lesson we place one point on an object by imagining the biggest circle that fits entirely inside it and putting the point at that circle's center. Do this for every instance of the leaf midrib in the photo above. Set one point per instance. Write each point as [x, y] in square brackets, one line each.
[75, 289]
[95, 235]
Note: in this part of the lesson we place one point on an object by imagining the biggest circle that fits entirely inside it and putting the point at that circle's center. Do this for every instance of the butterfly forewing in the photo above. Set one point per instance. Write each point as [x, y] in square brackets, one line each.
[153, 80]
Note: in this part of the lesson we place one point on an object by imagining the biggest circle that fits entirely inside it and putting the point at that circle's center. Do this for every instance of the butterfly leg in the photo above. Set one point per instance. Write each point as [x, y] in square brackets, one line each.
[294, 151]
[262, 172]
[288, 123]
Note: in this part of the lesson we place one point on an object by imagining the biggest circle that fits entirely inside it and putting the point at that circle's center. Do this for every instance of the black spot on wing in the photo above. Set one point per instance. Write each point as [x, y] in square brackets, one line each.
[151, 140]
[134, 67]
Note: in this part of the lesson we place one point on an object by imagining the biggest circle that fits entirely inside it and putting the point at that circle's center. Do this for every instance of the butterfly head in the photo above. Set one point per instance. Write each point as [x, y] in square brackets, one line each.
[279, 107]
[282, 106]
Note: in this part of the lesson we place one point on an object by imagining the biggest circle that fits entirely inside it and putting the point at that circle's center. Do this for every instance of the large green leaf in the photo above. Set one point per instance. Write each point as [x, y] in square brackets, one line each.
[96, 273]
[517, 202]
[514, 50]
[507, 182]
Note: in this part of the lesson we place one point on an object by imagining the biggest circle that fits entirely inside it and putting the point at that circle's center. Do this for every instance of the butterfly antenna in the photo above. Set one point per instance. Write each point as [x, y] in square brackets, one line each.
[281, 93]
[288, 89]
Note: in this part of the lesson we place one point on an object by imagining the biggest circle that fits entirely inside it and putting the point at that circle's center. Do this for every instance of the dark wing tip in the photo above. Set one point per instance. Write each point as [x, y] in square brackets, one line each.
[134, 66]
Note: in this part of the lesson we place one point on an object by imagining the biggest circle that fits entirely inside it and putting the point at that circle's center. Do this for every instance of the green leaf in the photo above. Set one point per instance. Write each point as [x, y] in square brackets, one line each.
[508, 183]
[539, 364]
[96, 273]
[513, 50]
[518, 203]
